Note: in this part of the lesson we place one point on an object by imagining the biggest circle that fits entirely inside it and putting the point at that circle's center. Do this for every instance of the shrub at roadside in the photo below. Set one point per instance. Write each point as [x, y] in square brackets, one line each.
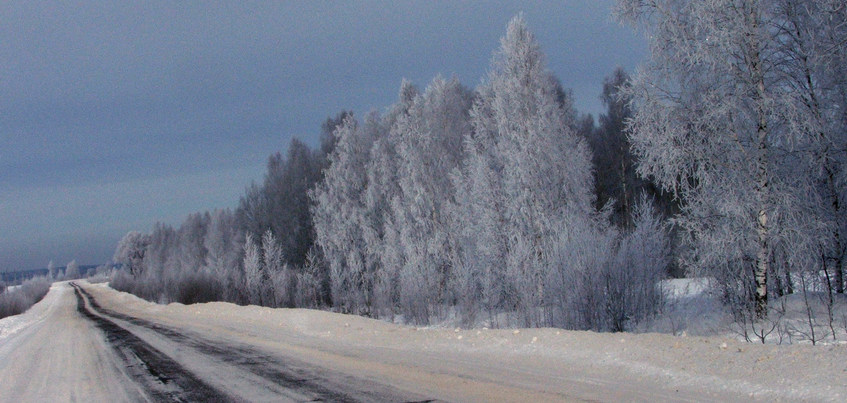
[17, 301]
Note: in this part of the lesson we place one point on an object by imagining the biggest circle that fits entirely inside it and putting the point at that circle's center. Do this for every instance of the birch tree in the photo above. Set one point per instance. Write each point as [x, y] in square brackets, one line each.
[716, 121]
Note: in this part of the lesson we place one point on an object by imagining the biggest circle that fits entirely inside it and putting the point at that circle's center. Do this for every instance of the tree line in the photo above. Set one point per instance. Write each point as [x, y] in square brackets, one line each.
[503, 205]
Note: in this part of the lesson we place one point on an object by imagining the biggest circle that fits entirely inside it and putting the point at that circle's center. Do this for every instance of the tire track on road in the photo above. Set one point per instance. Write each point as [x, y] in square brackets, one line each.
[161, 377]
[305, 379]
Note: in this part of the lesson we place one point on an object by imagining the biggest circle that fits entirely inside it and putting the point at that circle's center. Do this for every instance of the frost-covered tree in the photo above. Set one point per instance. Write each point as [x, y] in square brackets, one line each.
[717, 122]
[352, 210]
[383, 246]
[337, 213]
[328, 139]
[481, 243]
[525, 122]
[310, 287]
[811, 38]
[219, 240]
[191, 236]
[222, 243]
[253, 272]
[429, 147]
[131, 251]
[280, 284]
[51, 270]
[72, 270]
[161, 253]
[632, 286]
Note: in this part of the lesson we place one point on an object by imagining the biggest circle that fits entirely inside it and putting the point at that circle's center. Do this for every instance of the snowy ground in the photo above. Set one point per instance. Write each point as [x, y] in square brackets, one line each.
[55, 352]
[799, 318]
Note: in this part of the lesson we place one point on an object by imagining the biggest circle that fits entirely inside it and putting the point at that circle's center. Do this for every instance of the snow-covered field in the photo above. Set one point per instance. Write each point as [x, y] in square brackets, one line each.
[52, 353]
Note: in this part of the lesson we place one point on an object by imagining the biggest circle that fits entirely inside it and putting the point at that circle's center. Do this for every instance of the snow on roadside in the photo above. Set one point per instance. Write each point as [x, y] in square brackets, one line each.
[721, 364]
[14, 324]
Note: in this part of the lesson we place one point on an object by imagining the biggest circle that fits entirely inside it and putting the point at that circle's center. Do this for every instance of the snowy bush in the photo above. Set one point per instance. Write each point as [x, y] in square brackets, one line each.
[641, 262]
[145, 286]
[17, 301]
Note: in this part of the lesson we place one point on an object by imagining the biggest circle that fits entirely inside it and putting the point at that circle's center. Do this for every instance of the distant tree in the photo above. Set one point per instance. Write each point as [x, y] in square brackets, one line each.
[613, 160]
[301, 174]
[102, 270]
[328, 139]
[281, 203]
[614, 163]
[253, 271]
[586, 128]
[51, 270]
[72, 270]
[191, 235]
[131, 251]
[281, 280]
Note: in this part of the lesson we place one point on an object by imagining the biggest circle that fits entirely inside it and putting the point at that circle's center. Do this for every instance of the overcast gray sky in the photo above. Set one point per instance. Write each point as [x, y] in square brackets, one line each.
[117, 114]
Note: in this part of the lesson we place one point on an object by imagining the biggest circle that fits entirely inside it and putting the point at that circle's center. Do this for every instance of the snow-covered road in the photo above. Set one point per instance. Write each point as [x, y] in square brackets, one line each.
[89, 343]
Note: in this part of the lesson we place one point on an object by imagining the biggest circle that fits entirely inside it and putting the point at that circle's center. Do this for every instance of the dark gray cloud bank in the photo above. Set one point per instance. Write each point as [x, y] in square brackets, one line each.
[116, 114]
